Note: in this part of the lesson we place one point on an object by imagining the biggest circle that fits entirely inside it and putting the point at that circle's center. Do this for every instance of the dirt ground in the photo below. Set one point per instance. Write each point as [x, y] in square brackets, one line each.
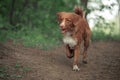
[103, 62]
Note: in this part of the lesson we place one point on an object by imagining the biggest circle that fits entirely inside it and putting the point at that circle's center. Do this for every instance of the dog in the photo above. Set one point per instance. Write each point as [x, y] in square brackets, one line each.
[75, 29]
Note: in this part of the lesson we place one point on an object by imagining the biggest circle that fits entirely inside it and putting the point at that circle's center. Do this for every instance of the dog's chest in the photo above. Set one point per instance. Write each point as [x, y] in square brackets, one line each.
[69, 40]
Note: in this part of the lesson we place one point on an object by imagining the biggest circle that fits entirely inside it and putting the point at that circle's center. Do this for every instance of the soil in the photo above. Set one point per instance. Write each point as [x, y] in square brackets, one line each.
[103, 62]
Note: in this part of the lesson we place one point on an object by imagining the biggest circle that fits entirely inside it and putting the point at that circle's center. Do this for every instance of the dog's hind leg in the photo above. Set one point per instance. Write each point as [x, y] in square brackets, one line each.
[86, 45]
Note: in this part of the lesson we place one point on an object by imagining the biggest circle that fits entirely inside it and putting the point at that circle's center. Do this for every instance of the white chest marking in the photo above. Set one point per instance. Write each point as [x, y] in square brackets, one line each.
[69, 40]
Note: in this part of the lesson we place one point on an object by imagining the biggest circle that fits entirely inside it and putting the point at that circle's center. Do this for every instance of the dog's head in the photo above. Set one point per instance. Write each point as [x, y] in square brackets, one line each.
[67, 21]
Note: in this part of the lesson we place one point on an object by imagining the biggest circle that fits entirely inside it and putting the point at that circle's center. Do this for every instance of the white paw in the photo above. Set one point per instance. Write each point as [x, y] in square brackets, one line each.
[75, 68]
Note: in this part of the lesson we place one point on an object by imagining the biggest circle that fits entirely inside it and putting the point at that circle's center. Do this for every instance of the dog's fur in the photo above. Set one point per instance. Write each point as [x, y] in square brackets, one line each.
[75, 29]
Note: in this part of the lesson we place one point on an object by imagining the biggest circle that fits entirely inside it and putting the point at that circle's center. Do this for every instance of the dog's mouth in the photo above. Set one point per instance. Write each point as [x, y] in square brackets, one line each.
[63, 31]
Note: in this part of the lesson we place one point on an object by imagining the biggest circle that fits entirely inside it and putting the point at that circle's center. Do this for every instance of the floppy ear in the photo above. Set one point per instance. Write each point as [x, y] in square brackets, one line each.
[58, 16]
[75, 20]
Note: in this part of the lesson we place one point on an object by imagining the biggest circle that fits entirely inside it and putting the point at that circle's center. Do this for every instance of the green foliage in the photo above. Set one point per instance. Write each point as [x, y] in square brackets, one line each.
[13, 72]
[26, 69]
[3, 70]
[34, 22]
[17, 65]
[14, 76]
[104, 31]
[100, 35]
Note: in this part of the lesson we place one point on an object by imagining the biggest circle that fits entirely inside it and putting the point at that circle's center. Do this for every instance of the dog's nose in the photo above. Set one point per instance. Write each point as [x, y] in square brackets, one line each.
[62, 25]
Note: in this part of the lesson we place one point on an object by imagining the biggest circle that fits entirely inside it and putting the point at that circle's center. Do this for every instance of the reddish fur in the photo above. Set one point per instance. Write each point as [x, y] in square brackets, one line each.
[79, 29]
[79, 11]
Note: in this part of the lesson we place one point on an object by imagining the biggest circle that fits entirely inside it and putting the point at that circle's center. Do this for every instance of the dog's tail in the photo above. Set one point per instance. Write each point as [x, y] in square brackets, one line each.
[79, 11]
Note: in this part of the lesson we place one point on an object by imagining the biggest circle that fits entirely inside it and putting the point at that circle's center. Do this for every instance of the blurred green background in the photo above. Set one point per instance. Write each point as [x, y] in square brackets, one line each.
[34, 22]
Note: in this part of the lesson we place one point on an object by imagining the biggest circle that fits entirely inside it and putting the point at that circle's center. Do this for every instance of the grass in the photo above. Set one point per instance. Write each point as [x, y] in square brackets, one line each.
[49, 38]
[32, 38]
[13, 72]
[96, 36]
[106, 31]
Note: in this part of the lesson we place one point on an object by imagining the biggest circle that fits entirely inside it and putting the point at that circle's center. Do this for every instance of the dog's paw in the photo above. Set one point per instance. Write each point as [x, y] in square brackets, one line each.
[85, 61]
[75, 68]
[70, 56]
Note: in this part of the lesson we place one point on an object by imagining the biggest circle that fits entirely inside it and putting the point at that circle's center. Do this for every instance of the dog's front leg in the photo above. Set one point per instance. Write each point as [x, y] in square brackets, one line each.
[76, 56]
[69, 54]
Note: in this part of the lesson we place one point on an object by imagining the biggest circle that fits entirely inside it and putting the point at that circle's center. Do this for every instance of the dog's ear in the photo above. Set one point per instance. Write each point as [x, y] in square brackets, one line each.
[79, 11]
[58, 16]
[75, 20]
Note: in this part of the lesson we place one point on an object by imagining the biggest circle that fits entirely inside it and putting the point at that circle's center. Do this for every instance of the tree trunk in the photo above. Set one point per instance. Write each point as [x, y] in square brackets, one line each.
[119, 15]
[21, 13]
[25, 3]
[35, 4]
[12, 12]
[84, 4]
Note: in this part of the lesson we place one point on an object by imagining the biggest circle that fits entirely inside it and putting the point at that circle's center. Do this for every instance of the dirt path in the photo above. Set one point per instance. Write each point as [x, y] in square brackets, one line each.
[103, 57]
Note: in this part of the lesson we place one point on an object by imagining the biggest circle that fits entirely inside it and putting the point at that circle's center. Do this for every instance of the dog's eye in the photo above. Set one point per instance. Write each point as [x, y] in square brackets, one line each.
[61, 19]
[68, 20]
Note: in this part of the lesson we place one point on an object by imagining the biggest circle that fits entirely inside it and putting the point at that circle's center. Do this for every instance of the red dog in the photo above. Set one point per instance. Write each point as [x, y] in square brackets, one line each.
[75, 29]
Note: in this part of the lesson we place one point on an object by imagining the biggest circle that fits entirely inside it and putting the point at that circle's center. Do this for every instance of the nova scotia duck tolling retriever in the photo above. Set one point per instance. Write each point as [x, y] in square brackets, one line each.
[75, 29]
